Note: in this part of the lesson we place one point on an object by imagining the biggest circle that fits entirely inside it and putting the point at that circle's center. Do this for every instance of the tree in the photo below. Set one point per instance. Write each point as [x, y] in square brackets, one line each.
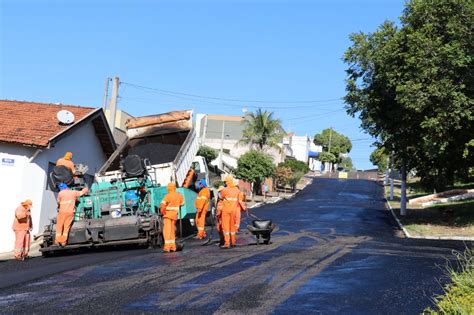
[208, 153]
[253, 167]
[346, 162]
[412, 88]
[262, 130]
[379, 157]
[295, 165]
[327, 157]
[334, 143]
[283, 176]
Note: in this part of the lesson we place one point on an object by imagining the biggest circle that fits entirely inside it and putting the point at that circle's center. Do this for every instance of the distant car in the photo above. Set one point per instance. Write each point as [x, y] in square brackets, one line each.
[341, 169]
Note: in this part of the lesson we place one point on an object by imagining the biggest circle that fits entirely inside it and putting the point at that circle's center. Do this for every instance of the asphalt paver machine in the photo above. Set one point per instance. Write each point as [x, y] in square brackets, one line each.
[123, 203]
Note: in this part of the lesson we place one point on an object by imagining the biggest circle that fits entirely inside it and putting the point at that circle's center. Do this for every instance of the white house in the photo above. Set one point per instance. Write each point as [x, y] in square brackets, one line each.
[31, 140]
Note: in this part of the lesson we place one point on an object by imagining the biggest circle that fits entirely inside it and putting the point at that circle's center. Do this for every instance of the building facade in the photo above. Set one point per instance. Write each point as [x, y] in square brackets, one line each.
[31, 141]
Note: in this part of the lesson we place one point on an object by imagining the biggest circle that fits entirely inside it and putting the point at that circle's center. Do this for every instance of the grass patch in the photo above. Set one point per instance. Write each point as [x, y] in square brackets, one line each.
[458, 297]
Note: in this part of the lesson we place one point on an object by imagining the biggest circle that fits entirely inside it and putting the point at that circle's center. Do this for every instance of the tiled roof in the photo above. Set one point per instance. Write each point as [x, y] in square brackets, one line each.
[35, 123]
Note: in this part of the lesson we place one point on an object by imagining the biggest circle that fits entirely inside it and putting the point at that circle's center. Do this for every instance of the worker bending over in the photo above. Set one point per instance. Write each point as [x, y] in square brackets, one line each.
[169, 208]
[230, 197]
[67, 162]
[67, 206]
[22, 226]
[202, 205]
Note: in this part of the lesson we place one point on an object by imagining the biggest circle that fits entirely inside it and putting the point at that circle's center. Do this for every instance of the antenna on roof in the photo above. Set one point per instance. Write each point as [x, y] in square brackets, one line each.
[65, 117]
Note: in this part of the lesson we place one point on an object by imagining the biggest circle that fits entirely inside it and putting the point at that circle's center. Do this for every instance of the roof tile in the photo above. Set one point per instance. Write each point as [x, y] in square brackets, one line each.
[34, 123]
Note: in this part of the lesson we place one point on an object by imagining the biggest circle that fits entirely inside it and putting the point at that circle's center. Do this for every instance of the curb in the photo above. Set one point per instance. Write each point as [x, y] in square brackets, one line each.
[433, 238]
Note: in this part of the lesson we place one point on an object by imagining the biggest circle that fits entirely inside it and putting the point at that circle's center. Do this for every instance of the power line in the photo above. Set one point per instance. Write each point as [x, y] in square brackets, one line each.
[181, 94]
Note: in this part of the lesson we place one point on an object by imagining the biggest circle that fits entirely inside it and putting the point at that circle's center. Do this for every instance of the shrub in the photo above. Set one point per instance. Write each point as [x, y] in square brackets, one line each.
[295, 165]
[459, 294]
[253, 167]
[208, 153]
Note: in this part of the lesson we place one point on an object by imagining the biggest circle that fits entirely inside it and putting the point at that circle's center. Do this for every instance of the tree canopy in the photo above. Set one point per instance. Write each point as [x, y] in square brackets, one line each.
[262, 130]
[412, 87]
[379, 158]
[253, 167]
[334, 141]
[208, 153]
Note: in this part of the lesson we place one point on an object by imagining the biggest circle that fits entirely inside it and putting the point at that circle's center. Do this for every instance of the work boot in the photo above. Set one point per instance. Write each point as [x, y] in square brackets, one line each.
[224, 247]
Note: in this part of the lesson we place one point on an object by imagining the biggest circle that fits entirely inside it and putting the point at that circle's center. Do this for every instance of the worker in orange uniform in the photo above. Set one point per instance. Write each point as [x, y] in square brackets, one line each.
[242, 207]
[66, 161]
[219, 207]
[67, 206]
[202, 205]
[230, 197]
[169, 208]
[22, 226]
[189, 178]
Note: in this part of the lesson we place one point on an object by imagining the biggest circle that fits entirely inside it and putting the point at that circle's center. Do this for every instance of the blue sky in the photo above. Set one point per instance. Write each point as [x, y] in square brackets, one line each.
[274, 51]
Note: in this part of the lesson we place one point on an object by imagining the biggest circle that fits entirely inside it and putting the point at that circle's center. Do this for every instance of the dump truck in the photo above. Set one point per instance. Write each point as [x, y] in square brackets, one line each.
[123, 203]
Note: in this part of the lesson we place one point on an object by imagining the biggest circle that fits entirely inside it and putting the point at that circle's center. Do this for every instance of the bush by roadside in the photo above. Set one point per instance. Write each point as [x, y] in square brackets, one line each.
[458, 297]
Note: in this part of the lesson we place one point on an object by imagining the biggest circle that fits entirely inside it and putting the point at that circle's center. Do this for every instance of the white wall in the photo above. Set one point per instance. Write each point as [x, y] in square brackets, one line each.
[29, 180]
[11, 190]
[300, 146]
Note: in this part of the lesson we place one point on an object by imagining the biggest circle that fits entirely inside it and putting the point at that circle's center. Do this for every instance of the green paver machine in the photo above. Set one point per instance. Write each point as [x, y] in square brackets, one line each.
[123, 203]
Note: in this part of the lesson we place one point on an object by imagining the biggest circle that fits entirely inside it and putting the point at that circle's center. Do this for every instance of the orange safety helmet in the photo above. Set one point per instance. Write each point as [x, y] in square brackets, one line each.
[27, 202]
[171, 187]
[68, 155]
[229, 181]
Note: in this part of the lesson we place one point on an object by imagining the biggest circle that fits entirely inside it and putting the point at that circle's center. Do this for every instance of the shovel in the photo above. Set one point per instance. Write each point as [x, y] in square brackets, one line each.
[180, 241]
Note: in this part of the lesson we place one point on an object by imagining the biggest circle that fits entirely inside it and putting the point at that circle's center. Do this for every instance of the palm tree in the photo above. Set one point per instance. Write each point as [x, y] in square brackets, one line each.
[262, 130]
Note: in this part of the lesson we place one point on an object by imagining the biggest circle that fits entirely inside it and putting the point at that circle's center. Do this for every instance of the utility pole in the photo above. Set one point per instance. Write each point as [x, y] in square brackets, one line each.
[403, 193]
[113, 103]
[391, 176]
[106, 93]
[329, 148]
[221, 165]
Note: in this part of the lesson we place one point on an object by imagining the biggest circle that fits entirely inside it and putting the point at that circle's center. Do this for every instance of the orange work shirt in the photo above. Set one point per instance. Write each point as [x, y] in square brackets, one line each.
[202, 200]
[68, 163]
[170, 205]
[230, 196]
[22, 221]
[67, 199]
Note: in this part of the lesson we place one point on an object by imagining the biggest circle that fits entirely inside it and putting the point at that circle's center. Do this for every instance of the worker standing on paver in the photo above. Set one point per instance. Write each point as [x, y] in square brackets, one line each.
[22, 226]
[67, 162]
[169, 208]
[202, 205]
[230, 196]
[67, 206]
[189, 178]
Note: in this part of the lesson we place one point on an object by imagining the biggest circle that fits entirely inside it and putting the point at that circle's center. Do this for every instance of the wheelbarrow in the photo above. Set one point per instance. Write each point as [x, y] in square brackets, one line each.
[262, 229]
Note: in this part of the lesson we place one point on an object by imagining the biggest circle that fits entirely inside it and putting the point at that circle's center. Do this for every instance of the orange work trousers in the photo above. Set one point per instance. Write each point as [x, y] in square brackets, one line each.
[228, 228]
[169, 234]
[237, 220]
[201, 223]
[63, 225]
[22, 244]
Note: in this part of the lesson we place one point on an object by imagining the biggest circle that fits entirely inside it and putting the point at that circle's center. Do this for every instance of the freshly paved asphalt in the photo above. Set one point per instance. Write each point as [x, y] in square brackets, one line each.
[336, 250]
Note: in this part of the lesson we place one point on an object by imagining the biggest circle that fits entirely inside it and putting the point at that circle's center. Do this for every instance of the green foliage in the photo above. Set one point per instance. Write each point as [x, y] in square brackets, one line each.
[412, 87]
[262, 130]
[379, 157]
[339, 144]
[208, 153]
[295, 178]
[459, 294]
[217, 183]
[327, 157]
[295, 165]
[253, 167]
[346, 162]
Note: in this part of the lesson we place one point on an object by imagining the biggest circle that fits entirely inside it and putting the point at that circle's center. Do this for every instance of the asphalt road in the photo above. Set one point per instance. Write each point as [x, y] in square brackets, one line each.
[336, 249]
